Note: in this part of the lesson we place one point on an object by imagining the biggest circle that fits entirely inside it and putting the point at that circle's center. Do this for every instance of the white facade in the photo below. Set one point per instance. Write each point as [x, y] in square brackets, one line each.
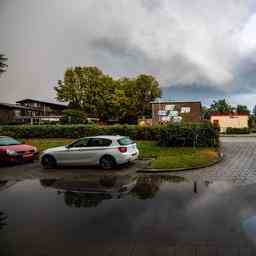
[230, 120]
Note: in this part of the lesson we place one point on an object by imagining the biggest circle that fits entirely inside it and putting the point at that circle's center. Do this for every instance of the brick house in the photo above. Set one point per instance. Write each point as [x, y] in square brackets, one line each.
[176, 111]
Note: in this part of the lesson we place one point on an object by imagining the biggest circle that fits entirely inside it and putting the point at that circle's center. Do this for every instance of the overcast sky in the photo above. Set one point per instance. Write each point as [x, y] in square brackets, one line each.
[200, 49]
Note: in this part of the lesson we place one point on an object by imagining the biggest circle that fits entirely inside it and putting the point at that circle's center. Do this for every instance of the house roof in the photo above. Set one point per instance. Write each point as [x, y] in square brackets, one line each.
[228, 114]
[42, 101]
[15, 106]
[174, 101]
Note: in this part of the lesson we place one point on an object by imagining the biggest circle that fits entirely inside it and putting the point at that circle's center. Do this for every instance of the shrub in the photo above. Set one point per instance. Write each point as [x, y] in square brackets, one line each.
[191, 135]
[167, 135]
[73, 116]
[231, 130]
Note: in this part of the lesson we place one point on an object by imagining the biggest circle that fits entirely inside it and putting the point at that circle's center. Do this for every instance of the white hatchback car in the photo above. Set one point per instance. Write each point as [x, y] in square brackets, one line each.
[106, 151]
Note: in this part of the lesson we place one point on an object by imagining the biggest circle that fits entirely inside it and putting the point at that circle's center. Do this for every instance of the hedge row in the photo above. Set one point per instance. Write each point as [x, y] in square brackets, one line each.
[167, 135]
[189, 136]
[237, 130]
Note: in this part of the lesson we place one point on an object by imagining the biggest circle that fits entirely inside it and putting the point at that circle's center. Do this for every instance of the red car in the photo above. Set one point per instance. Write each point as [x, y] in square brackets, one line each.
[12, 151]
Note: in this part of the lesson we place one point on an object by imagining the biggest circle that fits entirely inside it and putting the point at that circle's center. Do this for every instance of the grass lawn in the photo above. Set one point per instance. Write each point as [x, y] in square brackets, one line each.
[169, 158]
[164, 157]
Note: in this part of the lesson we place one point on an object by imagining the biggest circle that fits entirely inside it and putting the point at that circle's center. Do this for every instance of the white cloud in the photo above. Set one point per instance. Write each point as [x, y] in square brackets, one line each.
[178, 41]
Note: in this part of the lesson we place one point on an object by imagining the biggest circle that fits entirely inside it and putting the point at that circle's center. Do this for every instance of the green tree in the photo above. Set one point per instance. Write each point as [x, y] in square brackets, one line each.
[74, 116]
[88, 89]
[146, 90]
[242, 109]
[136, 95]
[3, 65]
[206, 112]
[221, 106]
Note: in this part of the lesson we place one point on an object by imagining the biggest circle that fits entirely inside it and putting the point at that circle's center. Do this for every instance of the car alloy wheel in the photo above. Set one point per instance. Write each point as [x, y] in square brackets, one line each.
[48, 162]
[107, 162]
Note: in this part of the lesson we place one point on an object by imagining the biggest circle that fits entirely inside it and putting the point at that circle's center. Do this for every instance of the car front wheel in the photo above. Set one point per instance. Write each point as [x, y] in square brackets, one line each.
[107, 162]
[48, 162]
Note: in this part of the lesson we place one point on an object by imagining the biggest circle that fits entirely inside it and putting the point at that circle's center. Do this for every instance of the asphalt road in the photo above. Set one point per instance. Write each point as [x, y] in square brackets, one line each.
[35, 171]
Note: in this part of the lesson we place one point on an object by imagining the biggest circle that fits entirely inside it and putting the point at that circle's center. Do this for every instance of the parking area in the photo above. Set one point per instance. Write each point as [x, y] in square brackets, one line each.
[120, 212]
[35, 171]
[238, 166]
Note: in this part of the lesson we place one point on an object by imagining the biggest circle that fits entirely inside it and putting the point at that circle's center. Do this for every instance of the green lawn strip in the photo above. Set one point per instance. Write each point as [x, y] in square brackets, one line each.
[163, 157]
[174, 158]
[43, 144]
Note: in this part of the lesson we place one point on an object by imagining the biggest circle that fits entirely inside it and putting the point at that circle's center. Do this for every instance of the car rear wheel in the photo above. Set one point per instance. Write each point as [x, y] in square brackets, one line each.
[107, 162]
[48, 162]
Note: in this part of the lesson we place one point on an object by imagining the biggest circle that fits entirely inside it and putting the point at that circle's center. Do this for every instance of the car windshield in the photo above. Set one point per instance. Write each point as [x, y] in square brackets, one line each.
[125, 141]
[6, 141]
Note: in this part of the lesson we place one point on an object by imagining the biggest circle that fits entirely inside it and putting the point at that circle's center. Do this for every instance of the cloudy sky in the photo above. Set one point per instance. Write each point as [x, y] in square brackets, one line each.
[200, 49]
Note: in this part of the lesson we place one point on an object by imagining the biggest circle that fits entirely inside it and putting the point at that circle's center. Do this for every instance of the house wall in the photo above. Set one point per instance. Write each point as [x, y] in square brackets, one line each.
[7, 115]
[185, 111]
[233, 121]
[43, 109]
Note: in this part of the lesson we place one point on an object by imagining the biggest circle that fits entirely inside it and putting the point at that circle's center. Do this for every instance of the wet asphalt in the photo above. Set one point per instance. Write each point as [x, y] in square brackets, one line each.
[87, 211]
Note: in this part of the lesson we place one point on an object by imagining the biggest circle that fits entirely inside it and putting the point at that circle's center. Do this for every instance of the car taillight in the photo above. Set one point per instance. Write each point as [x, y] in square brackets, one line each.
[122, 149]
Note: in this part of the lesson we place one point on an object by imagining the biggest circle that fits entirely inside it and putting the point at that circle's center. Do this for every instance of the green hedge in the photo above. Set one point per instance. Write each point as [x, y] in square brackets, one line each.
[201, 135]
[167, 135]
[237, 130]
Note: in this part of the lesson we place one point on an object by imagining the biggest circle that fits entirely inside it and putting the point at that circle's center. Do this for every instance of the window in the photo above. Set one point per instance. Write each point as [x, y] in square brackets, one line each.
[216, 123]
[79, 143]
[17, 113]
[99, 142]
[125, 141]
[6, 141]
[185, 110]
[169, 107]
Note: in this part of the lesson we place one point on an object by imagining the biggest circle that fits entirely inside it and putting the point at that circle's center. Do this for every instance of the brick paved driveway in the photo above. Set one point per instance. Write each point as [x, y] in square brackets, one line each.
[238, 166]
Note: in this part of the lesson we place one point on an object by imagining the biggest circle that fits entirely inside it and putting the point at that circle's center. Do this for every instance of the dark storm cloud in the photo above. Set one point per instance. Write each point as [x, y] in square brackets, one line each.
[200, 48]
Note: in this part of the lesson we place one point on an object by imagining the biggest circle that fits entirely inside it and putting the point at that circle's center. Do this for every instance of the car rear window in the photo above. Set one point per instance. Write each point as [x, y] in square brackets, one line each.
[125, 141]
[6, 141]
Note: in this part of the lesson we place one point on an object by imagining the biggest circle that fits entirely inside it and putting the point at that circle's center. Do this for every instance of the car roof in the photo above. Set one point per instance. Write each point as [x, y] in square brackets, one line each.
[110, 137]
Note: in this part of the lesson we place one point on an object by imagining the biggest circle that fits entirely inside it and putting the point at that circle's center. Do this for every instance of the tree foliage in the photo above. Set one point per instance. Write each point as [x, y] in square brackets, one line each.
[3, 64]
[74, 116]
[101, 96]
[221, 106]
[242, 109]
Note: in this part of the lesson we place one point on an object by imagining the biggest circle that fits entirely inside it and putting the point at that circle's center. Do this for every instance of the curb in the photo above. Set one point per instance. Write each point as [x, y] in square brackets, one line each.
[238, 136]
[220, 158]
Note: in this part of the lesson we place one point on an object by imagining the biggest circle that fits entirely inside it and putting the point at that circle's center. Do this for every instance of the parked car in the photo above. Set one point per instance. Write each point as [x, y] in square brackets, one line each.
[106, 151]
[13, 151]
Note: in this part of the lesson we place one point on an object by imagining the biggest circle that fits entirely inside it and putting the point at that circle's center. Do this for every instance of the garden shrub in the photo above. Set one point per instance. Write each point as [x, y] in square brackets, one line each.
[198, 135]
[237, 130]
[190, 135]
[73, 116]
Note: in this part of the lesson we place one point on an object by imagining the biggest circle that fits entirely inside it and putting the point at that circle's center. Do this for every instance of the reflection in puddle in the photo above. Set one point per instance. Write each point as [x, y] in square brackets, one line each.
[72, 211]
[92, 190]
[3, 220]
[249, 227]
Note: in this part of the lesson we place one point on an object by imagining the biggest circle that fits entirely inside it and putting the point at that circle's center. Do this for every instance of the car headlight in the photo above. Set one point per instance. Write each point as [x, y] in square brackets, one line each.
[11, 152]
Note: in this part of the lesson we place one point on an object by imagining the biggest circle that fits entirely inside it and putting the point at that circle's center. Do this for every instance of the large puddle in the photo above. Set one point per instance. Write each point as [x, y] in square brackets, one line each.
[116, 215]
